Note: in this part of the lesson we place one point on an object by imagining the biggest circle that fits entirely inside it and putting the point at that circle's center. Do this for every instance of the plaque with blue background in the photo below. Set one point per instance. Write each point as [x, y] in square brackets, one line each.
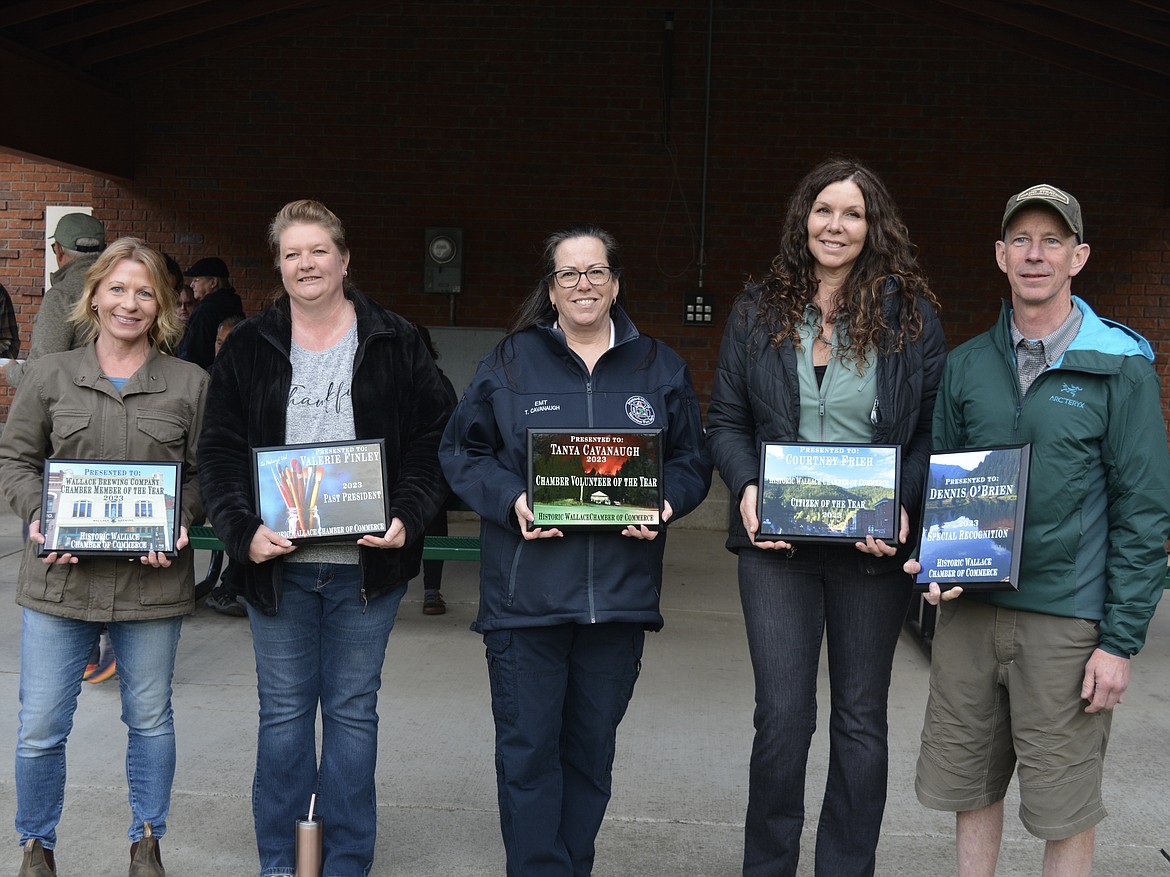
[973, 518]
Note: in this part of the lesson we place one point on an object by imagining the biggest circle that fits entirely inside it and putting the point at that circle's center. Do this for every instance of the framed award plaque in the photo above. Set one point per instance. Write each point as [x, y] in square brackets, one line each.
[973, 518]
[328, 492]
[110, 508]
[828, 492]
[595, 479]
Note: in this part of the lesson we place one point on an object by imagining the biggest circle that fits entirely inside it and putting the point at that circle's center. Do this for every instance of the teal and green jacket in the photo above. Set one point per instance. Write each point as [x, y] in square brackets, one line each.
[1098, 507]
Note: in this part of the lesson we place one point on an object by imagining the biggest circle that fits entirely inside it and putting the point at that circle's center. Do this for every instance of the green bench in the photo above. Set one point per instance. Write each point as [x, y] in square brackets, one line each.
[434, 547]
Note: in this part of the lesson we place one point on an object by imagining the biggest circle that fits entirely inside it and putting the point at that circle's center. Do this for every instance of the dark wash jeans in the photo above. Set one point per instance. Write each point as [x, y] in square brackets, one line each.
[789, 603]
[558, 695]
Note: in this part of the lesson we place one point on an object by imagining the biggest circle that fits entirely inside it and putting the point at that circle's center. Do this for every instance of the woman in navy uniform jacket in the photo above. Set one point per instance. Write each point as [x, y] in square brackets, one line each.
[564, 615]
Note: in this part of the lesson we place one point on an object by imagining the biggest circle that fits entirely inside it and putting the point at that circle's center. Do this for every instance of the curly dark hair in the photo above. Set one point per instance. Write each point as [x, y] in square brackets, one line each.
[887, 265]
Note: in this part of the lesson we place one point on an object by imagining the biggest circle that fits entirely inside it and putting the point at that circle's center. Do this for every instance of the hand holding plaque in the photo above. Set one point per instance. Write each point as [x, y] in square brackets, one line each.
[591, 479]
[973, 518]
[828, 493]
[334, 492]
[117, 508]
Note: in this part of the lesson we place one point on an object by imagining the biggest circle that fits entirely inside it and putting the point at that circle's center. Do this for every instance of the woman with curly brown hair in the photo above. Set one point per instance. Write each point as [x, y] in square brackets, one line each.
[839, 343]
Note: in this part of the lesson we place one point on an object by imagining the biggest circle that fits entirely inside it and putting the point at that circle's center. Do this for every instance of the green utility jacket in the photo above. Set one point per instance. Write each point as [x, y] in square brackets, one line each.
[66, 410]
[1098, 507]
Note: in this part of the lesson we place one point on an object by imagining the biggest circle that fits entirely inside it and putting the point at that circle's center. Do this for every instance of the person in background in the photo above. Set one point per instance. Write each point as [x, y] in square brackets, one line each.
[564, 615]
[433, 603]
[222, 598]
[216, 300]
[117, 390]
[185, 304]
[9, 330]
[77, 241]
[839, 343]
[322, 364]
[1026, 681]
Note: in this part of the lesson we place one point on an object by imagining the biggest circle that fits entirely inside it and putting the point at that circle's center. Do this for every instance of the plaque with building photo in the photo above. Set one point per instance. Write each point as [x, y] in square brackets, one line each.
[595, 479]
[110, 508]
[973, 518]
[828, 492]
[322, 492]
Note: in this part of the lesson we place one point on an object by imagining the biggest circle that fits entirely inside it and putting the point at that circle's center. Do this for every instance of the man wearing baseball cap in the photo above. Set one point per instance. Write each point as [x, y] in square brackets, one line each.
[215, 301]
[1026, 680]
[77, 242]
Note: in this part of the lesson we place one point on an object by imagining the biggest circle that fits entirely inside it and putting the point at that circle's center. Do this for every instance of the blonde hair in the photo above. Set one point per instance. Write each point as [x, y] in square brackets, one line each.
[166, 330]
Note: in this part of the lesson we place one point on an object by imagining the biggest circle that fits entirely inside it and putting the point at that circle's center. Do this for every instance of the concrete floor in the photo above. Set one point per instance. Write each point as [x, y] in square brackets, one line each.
[680, 774]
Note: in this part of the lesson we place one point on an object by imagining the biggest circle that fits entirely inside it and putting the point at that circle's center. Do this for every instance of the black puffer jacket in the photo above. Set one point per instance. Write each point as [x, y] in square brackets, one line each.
[756, 398]
[397, 395]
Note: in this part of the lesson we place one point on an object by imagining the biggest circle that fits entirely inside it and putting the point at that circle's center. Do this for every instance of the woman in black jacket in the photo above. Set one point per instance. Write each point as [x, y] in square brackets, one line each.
[325, 365]
[840, 343]
[564, 613]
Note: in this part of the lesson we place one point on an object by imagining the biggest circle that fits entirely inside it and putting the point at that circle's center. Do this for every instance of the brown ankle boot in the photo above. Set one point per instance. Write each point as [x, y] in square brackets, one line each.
[37, 861]
[145, 856]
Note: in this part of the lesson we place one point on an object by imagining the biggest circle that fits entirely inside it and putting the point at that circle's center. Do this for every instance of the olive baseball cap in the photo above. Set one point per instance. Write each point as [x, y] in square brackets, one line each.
[80, 232]
[1045, 195]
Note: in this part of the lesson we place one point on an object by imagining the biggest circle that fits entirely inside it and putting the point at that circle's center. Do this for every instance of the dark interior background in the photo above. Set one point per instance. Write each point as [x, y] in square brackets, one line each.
[681, 127]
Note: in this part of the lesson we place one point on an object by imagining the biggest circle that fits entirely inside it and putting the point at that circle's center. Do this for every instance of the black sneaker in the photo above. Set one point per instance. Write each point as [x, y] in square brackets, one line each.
[433, 603]
[225, 604]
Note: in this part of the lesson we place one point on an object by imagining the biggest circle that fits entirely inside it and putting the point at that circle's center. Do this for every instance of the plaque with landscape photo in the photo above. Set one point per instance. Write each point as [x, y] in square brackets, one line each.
[828, 492]
[595, 479]
[118, 508]
[973, 518]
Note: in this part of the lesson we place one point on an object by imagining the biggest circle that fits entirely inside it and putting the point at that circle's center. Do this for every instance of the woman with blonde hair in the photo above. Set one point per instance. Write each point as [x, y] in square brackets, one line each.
[118, 397]
[324, 364]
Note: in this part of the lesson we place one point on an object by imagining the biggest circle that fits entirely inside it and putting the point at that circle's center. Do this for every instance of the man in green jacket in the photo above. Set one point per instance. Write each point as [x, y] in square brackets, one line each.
[1027, 680]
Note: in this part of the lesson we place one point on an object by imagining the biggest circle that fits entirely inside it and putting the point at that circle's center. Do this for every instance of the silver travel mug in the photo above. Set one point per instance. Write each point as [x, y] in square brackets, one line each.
[310, 846]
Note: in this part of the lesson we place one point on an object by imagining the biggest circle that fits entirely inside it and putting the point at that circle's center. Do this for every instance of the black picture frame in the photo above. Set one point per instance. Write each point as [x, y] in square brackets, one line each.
[322, 491]
[828, 492]
[595, 479]
[110, 508]
[973, 518]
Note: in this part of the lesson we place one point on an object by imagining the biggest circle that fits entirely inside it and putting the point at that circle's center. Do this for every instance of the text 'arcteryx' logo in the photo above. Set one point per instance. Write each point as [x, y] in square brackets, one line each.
[1069, 390]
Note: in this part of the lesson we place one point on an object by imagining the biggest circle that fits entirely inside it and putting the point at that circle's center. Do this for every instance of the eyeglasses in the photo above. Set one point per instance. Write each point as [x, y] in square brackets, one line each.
[569, 278]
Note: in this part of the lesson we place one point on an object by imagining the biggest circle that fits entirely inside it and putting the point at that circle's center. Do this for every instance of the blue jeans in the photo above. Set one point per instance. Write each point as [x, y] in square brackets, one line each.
[324, 646]
[558, 694]
[53, 655]
[789, 604]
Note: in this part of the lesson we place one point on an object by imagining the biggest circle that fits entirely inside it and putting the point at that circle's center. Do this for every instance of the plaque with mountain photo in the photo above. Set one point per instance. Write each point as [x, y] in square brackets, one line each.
[828, 492]
[973, 518]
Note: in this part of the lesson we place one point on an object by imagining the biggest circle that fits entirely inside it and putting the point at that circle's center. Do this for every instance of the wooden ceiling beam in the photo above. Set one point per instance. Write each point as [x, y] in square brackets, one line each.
[1034, 46]
[1058, 28]
[18, 13]
[145, 63]
[1131, 19]
[100, 24]
[189, 27]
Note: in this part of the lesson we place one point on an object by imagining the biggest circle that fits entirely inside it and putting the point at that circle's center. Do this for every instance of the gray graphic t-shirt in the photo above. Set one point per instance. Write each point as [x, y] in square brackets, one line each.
[320, 410]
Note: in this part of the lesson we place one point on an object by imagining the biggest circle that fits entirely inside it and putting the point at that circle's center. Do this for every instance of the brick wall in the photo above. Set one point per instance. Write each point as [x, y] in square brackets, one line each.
[513, 119]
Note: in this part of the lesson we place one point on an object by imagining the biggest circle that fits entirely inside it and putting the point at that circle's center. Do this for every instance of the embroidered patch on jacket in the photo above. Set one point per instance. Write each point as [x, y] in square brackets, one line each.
[1069, 390]
[639, 410]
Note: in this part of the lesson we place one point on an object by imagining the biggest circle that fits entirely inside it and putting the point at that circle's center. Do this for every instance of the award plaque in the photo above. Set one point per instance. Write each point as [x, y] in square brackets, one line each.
[330, 492]
[826, 493]
[109, 507]
[973, 518]
[595, 479]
